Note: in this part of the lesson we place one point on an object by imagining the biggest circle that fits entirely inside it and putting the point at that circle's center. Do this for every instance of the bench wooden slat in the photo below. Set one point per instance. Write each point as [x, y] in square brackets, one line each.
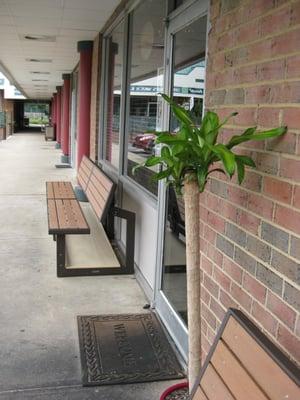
[49, 190]
[70, 215]
[99, 191]
[66, 216]
[52, 216]
[97, 196]
[199, 395]
[60, 190]
[236, 378]
[270, 377]
[103, 179]
[213, 386]
[85, 170]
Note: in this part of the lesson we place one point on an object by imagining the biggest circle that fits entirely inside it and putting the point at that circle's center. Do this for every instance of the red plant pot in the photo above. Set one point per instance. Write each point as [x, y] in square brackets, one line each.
[173, 388]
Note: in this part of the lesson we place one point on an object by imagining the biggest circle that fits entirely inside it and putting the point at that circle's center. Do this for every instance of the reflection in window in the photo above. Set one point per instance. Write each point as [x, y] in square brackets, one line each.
[189, 70]
[146, 81]
[114, 89]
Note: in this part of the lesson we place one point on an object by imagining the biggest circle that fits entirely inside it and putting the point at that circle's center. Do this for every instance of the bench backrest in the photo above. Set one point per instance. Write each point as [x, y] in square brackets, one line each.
[84, 172]
[244, 364]
[98, 187]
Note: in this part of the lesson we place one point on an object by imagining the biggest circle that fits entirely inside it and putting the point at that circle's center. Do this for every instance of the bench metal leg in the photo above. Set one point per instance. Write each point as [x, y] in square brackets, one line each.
[61, 254]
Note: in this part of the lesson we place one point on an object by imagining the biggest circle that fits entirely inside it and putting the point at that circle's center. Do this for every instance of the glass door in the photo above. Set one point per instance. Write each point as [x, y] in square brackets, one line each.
[185, 78]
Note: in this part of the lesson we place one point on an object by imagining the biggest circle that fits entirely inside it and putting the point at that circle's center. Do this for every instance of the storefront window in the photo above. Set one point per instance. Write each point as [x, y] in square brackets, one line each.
[146, 81]
[114, 43]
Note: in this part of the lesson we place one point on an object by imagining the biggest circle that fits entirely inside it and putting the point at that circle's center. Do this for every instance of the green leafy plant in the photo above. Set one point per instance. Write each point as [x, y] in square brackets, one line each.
[194, 150]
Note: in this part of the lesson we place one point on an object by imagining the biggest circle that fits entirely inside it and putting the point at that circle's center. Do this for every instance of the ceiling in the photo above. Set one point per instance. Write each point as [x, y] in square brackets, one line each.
[46, 30]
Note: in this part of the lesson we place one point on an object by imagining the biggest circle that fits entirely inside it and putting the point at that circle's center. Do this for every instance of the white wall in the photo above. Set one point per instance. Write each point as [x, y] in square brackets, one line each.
[145, 233]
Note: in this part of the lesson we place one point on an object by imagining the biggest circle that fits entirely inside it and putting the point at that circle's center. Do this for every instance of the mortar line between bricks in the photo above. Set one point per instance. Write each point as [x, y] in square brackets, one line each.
[285, 278]
[279, 320]
[258, 84]
[263, 305]
[265, 151]
[259, 105]
[263, 127]
[259, 127]
[268, 12]
[263, 196]
[255, 62]
[266, 264]
[260, 39]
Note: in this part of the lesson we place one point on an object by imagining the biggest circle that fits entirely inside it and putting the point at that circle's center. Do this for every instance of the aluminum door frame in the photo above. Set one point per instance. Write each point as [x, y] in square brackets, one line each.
[178, 20]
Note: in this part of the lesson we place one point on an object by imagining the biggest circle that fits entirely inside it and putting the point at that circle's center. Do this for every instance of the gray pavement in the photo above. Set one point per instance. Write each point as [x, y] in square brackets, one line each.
[39, 354]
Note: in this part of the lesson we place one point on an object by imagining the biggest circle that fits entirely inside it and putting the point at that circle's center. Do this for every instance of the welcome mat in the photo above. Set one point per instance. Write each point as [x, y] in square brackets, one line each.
[128, 348]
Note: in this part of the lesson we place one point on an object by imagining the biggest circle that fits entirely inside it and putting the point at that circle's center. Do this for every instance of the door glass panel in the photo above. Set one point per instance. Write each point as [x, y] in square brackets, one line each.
[188, 91]
[146, 81]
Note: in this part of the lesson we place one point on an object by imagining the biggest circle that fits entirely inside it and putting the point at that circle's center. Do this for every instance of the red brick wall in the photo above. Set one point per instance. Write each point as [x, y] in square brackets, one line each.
[250, 235]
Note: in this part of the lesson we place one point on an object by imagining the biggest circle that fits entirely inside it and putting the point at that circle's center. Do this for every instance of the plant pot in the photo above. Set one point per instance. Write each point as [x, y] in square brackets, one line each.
[179, 391]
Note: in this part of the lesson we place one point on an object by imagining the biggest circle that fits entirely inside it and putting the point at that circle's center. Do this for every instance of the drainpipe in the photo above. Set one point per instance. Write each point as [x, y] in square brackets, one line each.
[85, 48]
[58, 117]
[65, 132]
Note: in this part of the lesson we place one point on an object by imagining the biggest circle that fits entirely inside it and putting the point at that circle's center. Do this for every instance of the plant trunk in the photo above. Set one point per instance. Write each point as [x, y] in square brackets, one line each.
[191, 201]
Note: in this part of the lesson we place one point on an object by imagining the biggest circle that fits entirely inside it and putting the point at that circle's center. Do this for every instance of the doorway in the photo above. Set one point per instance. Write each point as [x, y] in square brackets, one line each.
[185, 82]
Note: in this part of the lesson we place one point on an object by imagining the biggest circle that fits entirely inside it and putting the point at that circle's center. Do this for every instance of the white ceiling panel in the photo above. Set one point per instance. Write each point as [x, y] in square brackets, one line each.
[39, 11]
[67, 20]
[86, 14]
[32, 4]
[92, 4]
[25, 24]
[82, 24]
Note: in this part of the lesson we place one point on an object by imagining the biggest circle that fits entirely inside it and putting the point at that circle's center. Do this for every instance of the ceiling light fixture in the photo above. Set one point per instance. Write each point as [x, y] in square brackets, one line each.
[39, 38]
[39, 60]
[40, 72]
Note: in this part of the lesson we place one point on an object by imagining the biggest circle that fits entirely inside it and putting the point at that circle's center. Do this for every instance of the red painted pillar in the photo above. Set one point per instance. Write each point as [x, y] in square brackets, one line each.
[58, 116]
[54, 113]
[65, 130]
[85, 48]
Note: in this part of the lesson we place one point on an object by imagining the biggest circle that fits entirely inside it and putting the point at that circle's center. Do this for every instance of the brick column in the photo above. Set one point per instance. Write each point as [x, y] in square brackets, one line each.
[58, 117]
[65, 132]
[85, 48]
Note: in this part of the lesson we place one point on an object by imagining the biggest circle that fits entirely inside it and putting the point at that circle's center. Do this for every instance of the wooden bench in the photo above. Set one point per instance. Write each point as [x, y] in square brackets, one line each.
[243, 364]
[84, 230]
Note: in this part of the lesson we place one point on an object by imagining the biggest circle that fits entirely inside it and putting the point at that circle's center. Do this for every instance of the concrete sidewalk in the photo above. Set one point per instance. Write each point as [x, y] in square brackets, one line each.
[39, 354]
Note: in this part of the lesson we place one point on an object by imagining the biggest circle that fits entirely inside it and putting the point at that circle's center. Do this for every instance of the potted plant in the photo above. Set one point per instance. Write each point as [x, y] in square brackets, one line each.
[187, 159]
